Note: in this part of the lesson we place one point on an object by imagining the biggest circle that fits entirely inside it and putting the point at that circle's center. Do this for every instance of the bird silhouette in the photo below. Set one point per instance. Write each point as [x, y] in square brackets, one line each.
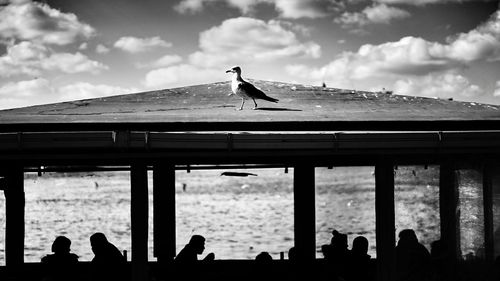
[246, 90]
[237, 174]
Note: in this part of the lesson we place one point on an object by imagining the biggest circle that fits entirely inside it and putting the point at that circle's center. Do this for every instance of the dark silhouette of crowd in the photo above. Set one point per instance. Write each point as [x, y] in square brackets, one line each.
[413, 262]
[345, 264]
[108, 262]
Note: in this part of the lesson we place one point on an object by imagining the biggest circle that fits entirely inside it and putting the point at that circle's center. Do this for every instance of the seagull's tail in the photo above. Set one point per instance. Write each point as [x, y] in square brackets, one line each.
[270, 99]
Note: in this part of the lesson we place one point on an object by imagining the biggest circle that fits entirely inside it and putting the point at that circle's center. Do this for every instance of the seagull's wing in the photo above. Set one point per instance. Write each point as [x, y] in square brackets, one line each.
[252, 92]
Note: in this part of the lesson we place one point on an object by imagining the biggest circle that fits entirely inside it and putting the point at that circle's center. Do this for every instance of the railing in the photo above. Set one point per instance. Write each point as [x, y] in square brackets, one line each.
[26, 141]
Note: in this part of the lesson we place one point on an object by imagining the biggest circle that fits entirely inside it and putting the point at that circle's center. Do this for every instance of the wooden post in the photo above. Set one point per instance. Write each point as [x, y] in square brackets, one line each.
[489, 239]
[139, 221]
[304, 212]
[304, 193]
[14, 213]
[164, 211]
[448, 209]
[384, 220]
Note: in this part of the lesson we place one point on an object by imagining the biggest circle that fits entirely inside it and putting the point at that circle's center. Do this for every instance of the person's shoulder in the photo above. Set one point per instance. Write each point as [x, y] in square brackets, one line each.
[73, 257]
[47, 258]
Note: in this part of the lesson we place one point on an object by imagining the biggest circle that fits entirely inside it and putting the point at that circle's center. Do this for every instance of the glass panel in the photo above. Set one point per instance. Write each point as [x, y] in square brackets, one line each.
[416, 199]
[496, 209]
[470, 186]
[345, 201]
[239, 216]
[76, 205]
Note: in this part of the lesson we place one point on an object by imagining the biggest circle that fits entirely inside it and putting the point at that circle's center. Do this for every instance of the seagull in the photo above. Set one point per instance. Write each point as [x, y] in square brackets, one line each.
[246, 90]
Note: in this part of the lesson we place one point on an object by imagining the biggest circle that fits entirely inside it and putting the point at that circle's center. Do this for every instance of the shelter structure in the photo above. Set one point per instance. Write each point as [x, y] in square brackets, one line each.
[198, 126]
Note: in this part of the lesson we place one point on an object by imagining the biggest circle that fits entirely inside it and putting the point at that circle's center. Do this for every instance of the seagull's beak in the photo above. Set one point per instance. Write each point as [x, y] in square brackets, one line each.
[229, 70]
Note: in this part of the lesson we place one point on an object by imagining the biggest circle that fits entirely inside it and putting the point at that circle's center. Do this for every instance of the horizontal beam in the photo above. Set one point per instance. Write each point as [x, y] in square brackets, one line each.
[342, 141]
[78, 169]
[377, 125]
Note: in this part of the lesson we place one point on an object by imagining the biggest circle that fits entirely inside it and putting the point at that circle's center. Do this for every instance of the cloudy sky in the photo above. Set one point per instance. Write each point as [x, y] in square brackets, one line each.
[52, 51]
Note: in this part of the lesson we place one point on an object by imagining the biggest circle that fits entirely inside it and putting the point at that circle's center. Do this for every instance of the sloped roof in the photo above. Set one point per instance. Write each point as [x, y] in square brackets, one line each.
[211, 104]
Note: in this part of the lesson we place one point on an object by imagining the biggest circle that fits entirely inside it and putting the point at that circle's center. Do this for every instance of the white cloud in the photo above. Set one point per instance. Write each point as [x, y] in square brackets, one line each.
[101, 49]
[137, 45]
[182, 75]
[247, 39]
[30, 58]
[482, 42]
[375, 14]
[83, 46]
[411, 56]
[35, 21]
[42, 91]
[72, 63]
[83, 90]
[164, 61]
[293, 9]
[408, 56]
[496, 93]
[443, 85]
[190, 6]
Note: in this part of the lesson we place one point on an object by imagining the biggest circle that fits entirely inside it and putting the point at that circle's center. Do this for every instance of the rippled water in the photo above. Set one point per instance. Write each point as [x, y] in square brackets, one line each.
[240, 217]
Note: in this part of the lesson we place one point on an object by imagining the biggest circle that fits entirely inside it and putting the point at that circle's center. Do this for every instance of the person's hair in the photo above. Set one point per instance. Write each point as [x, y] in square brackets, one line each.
[408, 235]
[360, 245]
[61, 244]
[263, 257]
[197, 239]
[98, 238]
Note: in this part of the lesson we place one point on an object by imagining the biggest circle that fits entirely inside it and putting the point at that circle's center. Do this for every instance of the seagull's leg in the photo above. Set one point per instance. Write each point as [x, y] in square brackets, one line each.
[255, 107]
[242, 103]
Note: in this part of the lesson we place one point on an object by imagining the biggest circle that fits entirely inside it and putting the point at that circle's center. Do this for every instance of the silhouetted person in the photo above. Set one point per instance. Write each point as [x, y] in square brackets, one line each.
[190, 252]
[339, 245]
[108, 262]
[360, 267]
[61, 264]
[336, 255]
[439, 260]
[412, 258]
[326, 250]
[292, 254]
[263, 258]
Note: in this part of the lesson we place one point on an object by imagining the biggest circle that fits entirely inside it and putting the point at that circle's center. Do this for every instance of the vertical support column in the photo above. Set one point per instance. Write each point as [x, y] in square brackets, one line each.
[304, 212]
[489, 238]
[139, 221]
[384, 216]
[14, 213]
[164, 211]
[448, 209]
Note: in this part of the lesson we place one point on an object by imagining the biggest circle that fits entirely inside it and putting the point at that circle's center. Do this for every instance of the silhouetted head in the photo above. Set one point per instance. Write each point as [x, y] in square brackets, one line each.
[339, 240]
[98, 242]
[407, 236]
[235, 69]
[197, 242]
[263, 257]
[61, 245]
[360, 245]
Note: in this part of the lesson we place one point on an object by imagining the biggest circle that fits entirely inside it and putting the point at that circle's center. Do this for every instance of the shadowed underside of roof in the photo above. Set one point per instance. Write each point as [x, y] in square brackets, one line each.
[211, 103]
